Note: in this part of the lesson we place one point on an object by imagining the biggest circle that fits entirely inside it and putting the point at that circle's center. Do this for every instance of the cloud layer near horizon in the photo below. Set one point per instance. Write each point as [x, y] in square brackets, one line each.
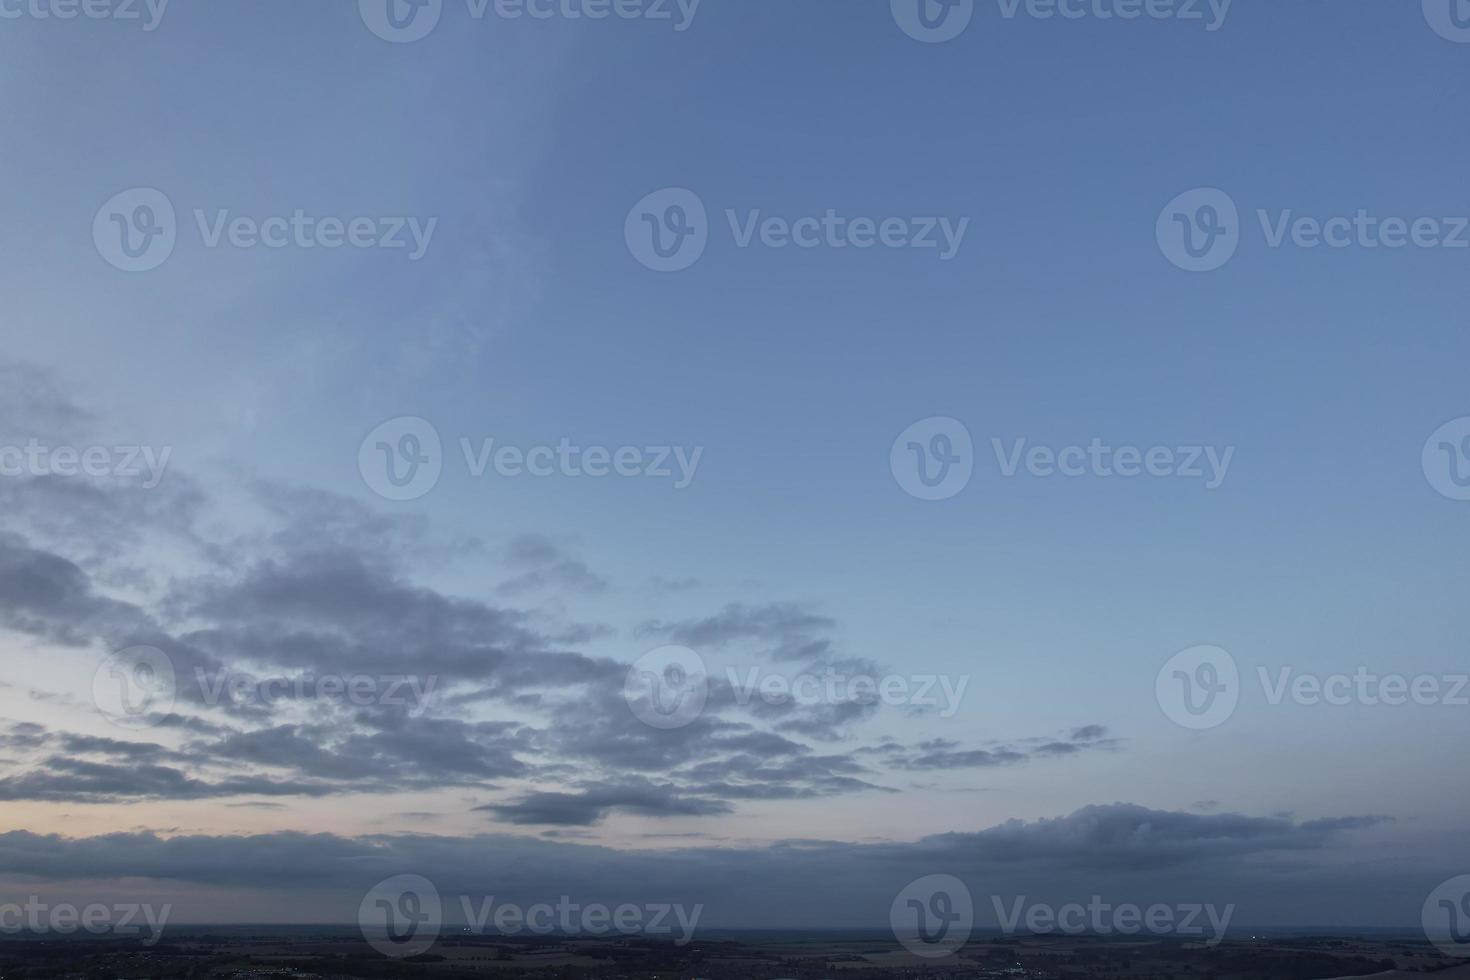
[1123, 852]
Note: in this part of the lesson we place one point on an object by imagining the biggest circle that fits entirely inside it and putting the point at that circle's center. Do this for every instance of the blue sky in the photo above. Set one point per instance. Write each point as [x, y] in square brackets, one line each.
[1058, 321]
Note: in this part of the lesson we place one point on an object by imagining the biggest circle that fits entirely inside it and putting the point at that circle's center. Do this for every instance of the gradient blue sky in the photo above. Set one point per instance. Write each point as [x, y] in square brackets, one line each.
[1059, 321]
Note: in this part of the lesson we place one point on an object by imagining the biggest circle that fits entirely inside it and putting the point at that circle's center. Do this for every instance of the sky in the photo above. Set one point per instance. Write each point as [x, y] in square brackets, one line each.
[539, 371]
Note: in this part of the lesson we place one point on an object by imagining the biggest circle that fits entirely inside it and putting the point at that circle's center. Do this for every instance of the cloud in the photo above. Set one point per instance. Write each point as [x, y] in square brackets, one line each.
[640, 797]
[322, 586]
[543, 565]
[1122, 851]
[45, 595]
[786, 631]
[34, 405]
[674, 585]
[938, 754]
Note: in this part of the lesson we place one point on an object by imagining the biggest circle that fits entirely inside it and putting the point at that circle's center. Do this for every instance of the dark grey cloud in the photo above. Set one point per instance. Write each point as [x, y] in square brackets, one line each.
[317, 606]
[590, 806]
[104, 522]
[66, 779]
[940, 754]
[1276, 870]
[783, 630]
[45, 595]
